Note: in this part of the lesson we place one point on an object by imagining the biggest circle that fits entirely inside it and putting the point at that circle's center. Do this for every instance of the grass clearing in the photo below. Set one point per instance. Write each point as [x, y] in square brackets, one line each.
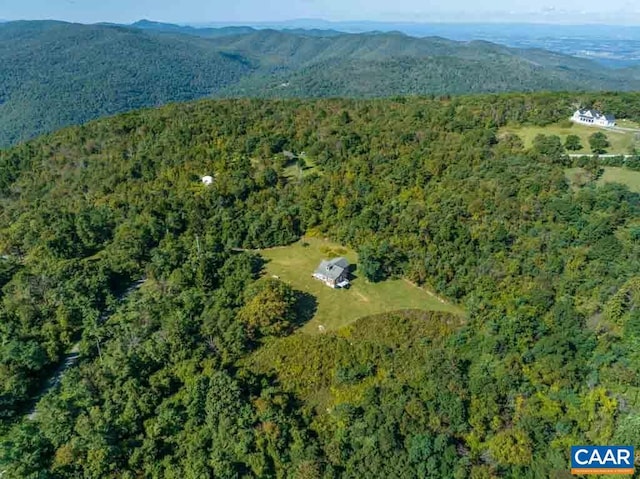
[336, 308]
[293, 171]
[579, 177]
[624, 123]
[620, 141]
[625, 176]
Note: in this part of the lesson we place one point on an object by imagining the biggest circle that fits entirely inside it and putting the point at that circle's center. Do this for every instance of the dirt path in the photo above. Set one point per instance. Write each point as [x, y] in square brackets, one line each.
[72, 357]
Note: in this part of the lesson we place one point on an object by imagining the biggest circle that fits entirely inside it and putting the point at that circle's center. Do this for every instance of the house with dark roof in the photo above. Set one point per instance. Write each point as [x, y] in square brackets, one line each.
[593, 118]
[334, 273]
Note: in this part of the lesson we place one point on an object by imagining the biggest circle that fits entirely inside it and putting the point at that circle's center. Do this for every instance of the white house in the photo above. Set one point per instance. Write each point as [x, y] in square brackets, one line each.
[207, 180]
[593, 118]
[334, 273]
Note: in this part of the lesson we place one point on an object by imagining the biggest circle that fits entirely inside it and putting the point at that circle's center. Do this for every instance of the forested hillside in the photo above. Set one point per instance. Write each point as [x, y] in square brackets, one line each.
[203, 372]
[54, 74]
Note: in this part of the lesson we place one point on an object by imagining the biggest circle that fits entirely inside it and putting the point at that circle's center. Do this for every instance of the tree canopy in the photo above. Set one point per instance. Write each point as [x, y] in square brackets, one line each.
[598, 142]
[202, 372]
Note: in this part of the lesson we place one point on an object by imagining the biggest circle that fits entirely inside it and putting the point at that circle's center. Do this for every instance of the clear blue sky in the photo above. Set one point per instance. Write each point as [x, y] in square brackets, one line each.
[203, 11]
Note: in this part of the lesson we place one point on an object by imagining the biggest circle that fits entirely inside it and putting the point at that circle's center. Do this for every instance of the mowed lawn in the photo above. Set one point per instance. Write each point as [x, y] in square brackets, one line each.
[296, 263]
[620, 142]
[612, 174]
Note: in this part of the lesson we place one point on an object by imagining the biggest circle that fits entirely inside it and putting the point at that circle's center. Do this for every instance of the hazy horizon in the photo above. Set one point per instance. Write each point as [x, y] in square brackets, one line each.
[247, 12]
[325, 23]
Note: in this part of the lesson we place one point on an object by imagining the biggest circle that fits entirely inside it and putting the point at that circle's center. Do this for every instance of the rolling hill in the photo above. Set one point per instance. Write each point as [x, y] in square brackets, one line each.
[56, 74]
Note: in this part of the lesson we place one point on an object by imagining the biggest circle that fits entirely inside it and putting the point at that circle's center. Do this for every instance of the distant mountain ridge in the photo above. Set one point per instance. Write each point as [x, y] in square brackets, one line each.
[56, 73]
[609, 44]
[188, 30]
[212, 32]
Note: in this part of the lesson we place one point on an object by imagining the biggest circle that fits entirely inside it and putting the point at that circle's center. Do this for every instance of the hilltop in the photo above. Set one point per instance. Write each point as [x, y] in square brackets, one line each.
[216, 368]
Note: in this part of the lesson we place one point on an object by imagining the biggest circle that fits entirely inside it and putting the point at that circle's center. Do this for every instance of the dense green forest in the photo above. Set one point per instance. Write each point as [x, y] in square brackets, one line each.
[201, 373]
[54, 74]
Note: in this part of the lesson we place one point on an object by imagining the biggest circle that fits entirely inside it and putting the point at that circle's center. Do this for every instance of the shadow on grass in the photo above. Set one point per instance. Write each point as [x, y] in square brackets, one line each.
[352, 272]
[305, 307]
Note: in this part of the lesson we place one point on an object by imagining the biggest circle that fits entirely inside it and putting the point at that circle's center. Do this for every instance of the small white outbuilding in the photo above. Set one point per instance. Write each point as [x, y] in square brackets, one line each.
[207, 180]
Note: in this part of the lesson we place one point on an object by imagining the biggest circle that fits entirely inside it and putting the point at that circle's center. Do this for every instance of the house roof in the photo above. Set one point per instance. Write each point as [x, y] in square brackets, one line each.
[332, 269]
[595, 114]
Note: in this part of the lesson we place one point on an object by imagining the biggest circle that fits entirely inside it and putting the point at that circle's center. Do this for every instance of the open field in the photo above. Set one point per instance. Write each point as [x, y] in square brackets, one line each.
[338, 307]
[620, 141]
[625, 176]
[612, 174]
[624, 123]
